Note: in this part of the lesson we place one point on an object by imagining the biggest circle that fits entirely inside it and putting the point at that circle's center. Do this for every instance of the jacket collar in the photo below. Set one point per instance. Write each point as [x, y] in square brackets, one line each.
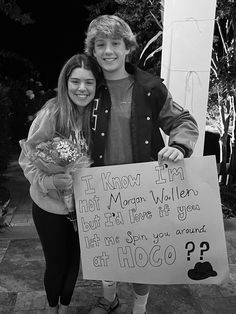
[130, 68]
[141, 77]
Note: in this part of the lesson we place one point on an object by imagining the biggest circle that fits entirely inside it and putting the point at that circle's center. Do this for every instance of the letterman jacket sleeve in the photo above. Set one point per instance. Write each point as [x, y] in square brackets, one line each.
[179, 125]
[40, 130]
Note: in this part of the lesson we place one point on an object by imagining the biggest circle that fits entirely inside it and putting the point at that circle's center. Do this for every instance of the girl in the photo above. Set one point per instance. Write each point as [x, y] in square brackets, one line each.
[68, 114]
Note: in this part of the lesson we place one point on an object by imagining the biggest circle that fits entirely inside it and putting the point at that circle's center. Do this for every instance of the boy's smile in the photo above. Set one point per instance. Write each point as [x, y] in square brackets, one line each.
[110, 54]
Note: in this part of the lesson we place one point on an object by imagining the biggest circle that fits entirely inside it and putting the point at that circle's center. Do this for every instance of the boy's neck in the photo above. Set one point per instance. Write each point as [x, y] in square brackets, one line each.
[113, 76]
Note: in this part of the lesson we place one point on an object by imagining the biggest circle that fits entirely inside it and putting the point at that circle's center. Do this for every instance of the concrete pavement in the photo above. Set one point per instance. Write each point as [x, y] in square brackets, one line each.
[22, 266]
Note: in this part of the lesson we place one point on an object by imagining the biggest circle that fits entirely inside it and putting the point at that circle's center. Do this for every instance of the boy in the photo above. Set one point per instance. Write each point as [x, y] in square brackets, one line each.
[131, 106]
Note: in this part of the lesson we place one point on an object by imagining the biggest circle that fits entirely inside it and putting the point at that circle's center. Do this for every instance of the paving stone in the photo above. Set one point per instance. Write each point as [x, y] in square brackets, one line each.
[29, 312]
[173, 299]
[231, 239]
[232, 301]
[33, 300]
[212, 305]
[8, 298]
[184, 306]
[3, 248]
[22, 267]
[10, 214]
[231, 252]
[200, 291]
[19, 218]
[20, 232]
[22, 219]
[228, 288]
[74, 310]
[7, 302]
[81, 296]
[6, 309]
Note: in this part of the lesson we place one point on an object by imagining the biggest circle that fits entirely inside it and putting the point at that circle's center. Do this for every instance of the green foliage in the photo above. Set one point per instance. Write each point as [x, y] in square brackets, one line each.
[15, 66]
[13, 10]
[102, 7]
[5, 104]
[224, 8]
[222, 77]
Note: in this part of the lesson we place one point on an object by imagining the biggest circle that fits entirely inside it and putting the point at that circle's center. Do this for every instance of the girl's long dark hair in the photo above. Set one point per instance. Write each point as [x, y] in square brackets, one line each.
[62, 110]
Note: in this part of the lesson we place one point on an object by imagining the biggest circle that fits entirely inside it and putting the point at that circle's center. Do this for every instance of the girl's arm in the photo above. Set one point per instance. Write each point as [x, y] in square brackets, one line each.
[41, 130]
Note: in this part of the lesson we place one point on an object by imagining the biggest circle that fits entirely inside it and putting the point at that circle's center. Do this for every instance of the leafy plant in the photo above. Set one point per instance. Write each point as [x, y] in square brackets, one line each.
[13, 10]
[222, 80]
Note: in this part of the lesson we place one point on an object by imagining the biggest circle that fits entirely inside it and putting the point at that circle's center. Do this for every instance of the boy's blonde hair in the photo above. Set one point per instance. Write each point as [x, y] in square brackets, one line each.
[109, 26]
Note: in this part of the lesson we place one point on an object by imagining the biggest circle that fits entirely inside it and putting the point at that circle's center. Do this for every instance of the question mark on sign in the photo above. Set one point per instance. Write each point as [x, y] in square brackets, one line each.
[192, 248]
[207, 246]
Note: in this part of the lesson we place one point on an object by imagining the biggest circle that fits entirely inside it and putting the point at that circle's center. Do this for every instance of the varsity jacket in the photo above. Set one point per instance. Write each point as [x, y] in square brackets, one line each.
[152, 109]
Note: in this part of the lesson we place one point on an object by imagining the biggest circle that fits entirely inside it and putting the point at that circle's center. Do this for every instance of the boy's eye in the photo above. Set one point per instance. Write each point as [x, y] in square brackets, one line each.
[99, 44]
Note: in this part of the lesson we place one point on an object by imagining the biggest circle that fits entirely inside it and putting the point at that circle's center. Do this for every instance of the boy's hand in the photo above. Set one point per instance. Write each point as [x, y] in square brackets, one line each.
[170, 153]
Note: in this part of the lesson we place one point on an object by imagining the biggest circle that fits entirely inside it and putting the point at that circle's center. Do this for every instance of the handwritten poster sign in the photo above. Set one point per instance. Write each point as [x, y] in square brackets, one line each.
[152, 223]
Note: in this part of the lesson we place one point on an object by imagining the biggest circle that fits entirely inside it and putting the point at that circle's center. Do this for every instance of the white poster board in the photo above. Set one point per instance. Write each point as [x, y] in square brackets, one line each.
[186, 56]
[151, 223]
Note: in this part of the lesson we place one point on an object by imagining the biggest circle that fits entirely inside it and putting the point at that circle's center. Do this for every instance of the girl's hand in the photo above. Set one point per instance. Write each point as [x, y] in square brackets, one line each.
[62, 181]
[170, 153]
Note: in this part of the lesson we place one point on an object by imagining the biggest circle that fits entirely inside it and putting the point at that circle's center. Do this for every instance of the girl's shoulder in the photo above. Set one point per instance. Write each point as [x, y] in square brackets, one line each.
[43, 126]
[46, 112]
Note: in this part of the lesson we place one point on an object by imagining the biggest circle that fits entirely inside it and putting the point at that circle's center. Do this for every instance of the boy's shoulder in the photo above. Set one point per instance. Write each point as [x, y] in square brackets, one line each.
[144, 77]
[150, 84]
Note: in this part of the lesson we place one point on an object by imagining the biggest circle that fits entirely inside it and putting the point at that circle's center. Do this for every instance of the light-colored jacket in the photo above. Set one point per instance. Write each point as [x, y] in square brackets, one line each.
[42, 190]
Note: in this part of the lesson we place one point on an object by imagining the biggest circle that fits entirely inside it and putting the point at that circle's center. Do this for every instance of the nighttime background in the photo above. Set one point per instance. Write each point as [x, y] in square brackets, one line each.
[32, 55]
[58, 33]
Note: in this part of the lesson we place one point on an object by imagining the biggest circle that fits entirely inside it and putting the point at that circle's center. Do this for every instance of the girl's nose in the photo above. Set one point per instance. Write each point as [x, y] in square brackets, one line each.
[81, 86]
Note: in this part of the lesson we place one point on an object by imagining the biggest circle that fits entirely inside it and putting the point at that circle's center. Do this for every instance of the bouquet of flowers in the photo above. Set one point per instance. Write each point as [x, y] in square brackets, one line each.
[60, 155]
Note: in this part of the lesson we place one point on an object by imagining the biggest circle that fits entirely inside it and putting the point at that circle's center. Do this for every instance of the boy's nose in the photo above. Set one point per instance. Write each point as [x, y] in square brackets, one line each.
[108, 49]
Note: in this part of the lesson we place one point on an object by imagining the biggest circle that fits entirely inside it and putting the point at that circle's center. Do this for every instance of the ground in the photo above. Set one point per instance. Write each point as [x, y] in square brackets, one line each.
[228, 200]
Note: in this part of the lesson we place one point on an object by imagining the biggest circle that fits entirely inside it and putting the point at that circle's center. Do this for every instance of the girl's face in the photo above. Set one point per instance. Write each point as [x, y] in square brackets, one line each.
[81, 86]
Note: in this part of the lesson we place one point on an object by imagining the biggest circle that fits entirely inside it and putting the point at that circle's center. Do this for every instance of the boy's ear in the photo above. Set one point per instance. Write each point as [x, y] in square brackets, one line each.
[127, 51]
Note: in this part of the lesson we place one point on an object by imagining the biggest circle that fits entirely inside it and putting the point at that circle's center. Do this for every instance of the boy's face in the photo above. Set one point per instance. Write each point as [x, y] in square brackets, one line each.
[110, 54]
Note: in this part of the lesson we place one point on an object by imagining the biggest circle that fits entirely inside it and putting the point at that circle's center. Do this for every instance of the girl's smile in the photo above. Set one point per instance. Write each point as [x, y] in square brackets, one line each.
[81, 86]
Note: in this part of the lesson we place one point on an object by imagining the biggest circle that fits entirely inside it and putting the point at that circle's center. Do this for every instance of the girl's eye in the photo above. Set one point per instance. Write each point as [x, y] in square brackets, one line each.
[90, 83]
[74, 81]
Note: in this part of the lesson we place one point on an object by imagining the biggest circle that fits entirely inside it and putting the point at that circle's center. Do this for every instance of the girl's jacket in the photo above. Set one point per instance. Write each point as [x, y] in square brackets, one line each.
[152, 109]
[42, 190]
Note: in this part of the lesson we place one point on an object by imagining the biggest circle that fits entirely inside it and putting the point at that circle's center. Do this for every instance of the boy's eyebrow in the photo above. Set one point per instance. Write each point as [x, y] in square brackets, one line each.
[112, 38]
